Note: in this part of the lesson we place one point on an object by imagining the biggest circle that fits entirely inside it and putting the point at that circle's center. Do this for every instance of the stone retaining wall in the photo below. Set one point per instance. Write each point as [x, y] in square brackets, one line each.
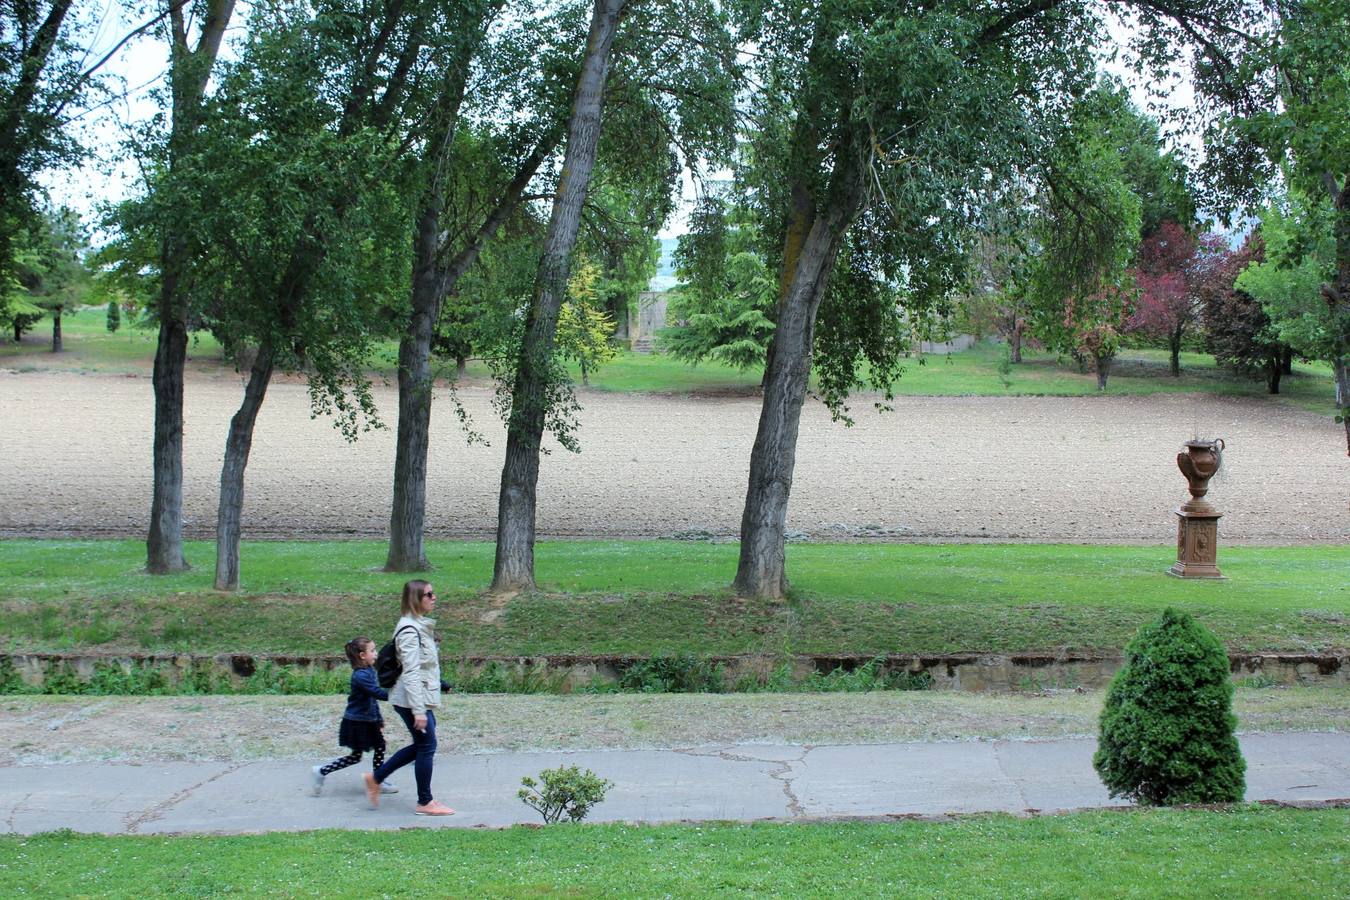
[956, 672]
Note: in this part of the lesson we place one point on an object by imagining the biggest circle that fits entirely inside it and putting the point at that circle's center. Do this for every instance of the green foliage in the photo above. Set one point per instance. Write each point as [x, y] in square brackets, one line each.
[1087, 232]
[45, 53]
[137, 678]
[298, 202]
[564, 791]
[1167, 725]
[1300, 255]
[870, 676]
[1281, 105]
[680, 673]
[114, 318]
[723, 309]
[48, 271]
[495, 678]
[584, 326]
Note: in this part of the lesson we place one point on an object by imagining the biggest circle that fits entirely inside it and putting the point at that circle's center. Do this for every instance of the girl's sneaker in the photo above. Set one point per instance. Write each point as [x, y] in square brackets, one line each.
[388, 787]
[316, 774]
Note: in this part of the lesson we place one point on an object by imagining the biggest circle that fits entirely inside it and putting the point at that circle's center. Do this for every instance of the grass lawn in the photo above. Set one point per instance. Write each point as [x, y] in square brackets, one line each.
[1243, 852]
[90, 348]
[648, 597]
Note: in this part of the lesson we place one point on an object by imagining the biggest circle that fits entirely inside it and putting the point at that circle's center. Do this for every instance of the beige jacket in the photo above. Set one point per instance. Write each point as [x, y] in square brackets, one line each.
[419, 686]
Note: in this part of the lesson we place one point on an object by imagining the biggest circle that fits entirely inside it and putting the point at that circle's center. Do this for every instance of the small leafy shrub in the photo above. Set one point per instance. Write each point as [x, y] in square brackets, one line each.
[1167, 726]
[564, 791]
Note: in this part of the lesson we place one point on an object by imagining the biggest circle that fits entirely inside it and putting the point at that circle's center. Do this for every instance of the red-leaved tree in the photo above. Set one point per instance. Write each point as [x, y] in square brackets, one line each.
[1166, 308]
[1237, 330]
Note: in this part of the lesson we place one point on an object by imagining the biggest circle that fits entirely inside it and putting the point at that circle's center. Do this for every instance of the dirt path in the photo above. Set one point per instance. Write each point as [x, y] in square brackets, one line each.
[75, 460]
[48, 730]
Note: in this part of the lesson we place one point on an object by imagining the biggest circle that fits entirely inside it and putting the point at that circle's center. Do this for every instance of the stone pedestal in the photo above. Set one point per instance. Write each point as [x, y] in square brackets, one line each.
[1198, 528]
[1197, 545]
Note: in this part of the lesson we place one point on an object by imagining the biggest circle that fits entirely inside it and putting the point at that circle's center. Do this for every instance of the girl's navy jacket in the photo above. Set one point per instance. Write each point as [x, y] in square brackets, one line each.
[362, 705]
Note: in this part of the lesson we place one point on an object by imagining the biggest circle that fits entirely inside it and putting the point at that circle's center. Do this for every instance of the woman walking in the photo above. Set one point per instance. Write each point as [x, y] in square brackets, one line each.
[415, 698]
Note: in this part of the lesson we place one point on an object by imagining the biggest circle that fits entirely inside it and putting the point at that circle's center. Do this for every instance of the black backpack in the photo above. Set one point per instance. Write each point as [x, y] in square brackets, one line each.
[387, 664]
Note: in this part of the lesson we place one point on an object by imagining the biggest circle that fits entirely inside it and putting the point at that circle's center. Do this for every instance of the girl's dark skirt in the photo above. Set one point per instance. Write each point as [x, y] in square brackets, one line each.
[360, 736]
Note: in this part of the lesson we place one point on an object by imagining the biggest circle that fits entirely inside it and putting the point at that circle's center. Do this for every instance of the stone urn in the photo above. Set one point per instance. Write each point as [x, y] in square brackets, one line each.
[1198, 462]
[1198, 528]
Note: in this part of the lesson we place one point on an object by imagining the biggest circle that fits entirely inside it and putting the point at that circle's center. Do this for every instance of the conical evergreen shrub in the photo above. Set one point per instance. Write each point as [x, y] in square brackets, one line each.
[1167, 727]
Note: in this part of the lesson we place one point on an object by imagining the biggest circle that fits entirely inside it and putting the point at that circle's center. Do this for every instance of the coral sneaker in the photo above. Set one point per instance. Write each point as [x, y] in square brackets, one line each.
[372, 790]
[434, 808]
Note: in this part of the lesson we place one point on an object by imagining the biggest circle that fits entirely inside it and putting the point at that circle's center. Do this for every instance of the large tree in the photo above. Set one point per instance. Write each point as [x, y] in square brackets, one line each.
[537, 370]
[1087, 231]
[1166, 309]
[1280, 116]
[882, 125]
[1237, 330]
[1300, 256]
[42, 74]
[672, 91]
[469, 183]
[194, 33]
[49, 274]
[296, 192]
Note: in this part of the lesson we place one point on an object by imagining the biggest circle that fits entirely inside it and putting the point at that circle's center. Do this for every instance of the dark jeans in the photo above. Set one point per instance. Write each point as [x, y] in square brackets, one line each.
[421, 753]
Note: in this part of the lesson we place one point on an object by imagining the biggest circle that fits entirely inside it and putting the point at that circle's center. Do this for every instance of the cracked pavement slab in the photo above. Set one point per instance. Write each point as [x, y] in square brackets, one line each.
[740, 782]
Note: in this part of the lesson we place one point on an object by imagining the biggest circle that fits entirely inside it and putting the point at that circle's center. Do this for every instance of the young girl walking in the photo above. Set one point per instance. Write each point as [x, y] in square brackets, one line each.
[362, 726]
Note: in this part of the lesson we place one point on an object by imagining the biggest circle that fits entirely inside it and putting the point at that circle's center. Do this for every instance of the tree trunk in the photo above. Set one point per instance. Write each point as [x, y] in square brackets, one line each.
[237, 447]
[617, 304]
[1287, 361]
[164, 545]
[432, 284]
[1337, 296]
[406, 521]
[1274, 370]
[1018, 326]
[1174, 344]
[461, 367]
[56, 329]
[1342, 370]
[762, 568]
[513, 568]
[1103, 364]
[189, 71]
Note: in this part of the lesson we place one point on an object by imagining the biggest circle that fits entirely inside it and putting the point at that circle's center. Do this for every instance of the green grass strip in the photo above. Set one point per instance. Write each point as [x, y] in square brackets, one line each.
[1244, 852]
[667, 597]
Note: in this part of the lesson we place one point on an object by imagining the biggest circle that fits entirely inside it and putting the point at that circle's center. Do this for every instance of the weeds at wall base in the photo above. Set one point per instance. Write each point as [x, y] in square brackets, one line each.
[682, 673]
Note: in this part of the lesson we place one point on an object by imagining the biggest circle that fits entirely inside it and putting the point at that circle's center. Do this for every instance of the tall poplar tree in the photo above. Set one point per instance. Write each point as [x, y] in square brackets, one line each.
[673, 81]
[881, 127]
[191, 61]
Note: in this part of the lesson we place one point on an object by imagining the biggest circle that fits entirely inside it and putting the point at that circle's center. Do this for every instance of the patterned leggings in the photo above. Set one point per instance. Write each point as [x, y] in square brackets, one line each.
[343, 762]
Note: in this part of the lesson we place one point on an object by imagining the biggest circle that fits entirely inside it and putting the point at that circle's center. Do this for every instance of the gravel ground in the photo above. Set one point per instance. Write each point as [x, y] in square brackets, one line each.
[43, 730]
[76, 451]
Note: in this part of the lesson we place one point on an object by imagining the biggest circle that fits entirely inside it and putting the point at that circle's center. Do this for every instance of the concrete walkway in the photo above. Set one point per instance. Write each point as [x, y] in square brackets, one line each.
[743, 782]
